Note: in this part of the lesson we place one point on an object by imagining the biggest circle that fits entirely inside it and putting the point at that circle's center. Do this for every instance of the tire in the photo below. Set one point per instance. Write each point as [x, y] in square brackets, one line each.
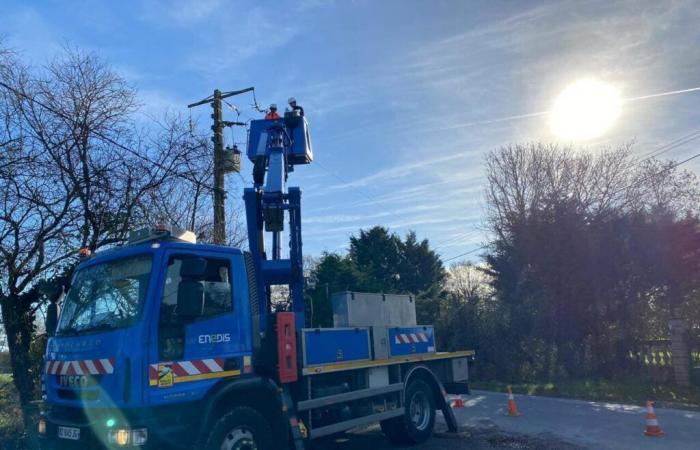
[416, 425]
[242, 428]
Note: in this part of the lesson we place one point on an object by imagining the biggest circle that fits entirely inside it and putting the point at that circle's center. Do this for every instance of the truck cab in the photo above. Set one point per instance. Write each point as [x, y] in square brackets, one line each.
[165, 313]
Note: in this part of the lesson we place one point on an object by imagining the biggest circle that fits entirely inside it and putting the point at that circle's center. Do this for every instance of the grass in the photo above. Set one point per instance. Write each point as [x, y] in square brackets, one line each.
[623, 391]
[11, 429]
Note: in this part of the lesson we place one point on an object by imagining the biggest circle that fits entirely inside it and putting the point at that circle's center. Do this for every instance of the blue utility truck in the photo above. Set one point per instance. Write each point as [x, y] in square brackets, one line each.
[166, 343]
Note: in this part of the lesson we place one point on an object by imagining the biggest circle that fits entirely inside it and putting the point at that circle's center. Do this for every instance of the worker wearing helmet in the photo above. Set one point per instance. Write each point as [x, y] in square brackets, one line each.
[295, 107]
[272, 114]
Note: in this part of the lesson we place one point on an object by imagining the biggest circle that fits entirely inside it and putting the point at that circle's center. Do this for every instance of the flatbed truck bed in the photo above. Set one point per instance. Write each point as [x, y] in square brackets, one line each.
[330, 368]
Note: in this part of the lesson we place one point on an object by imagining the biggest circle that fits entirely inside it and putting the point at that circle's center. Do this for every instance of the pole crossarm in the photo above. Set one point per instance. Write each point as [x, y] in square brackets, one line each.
[223, 96]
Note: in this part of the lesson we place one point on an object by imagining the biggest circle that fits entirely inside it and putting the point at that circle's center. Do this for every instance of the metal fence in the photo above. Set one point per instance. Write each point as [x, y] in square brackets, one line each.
[653, 359]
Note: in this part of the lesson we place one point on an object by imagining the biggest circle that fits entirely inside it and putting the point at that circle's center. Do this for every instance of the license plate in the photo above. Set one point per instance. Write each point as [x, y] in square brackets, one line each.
[69, 433]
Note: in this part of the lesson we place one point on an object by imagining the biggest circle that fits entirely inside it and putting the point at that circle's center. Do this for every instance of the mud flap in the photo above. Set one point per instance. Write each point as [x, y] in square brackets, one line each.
[447, 412]
[296, 427]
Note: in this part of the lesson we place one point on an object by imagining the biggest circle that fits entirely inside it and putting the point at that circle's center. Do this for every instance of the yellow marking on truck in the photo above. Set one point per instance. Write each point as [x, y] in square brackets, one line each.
[385, 362]
[166, 377]
[203, 376]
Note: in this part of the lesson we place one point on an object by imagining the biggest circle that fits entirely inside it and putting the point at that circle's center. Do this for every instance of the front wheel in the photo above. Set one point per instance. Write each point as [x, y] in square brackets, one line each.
[416, 425]
[242, 428]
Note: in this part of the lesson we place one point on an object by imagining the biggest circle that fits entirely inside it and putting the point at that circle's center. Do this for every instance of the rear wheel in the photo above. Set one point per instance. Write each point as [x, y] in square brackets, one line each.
[416, 425]
[242, 428]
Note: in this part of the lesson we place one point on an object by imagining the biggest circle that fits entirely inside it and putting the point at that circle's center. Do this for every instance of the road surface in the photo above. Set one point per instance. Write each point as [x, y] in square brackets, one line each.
[545, 424]
[596, 425]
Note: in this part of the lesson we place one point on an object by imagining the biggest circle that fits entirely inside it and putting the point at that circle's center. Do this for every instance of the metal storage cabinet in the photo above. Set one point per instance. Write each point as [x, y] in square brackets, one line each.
[335, 345]
[357, 309]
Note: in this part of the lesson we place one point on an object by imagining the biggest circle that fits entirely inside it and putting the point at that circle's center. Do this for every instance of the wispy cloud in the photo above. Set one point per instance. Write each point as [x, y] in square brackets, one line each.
[187, 12]
[224, 34]
[400, 126]
[398, 171]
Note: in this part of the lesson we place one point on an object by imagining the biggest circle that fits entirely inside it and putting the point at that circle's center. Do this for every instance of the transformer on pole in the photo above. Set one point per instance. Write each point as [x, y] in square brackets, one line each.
[222, 164]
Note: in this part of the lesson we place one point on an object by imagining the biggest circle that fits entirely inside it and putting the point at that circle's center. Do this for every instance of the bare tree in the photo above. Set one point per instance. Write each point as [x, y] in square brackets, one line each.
[467, 282]
[75, 171]
[186, 200]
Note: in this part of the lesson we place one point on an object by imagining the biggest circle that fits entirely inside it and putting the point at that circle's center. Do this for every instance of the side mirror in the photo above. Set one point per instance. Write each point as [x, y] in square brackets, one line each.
[190, 299]
[51, 319]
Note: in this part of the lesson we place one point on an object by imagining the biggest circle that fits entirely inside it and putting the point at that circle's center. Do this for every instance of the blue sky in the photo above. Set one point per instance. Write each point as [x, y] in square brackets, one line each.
[403, 97]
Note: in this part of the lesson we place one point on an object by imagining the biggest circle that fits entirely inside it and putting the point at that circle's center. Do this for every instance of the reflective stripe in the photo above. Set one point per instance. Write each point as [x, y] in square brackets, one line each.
[92, 370]
[76, 367]
[81, 367]
[189, 367]
[213, 365]
[107, 365]
[412, 338]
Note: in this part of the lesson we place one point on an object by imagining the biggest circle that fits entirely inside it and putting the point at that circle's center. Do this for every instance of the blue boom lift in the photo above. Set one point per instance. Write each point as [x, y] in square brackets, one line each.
[165, 343]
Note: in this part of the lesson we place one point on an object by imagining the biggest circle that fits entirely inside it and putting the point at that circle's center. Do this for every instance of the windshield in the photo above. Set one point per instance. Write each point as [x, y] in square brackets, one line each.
[106, 296]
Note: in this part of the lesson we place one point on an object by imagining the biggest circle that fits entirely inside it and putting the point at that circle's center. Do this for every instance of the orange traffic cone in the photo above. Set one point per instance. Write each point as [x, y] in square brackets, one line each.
[653, 429]
[512, 409]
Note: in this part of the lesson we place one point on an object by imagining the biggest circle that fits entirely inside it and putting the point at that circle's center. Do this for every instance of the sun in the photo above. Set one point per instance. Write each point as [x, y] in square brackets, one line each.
[585, 110]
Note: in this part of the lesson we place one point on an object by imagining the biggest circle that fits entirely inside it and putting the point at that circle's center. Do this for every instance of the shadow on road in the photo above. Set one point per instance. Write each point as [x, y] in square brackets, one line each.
[468, 439]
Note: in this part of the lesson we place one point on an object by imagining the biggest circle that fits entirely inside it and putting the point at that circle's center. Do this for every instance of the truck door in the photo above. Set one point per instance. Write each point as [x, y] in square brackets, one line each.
[203, 333]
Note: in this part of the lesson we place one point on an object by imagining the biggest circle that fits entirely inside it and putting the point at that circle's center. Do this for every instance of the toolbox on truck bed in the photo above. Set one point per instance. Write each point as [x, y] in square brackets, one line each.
[411, 340]
[335, 345]
[360, 309]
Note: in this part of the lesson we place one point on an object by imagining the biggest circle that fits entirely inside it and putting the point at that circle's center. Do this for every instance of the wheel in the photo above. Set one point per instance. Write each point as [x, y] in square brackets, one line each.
[416, 425]
[242, 428]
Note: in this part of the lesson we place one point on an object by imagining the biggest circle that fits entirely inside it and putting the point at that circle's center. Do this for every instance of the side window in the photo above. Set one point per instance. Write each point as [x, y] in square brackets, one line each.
[210, 289]
[217, 288]
[215, 283]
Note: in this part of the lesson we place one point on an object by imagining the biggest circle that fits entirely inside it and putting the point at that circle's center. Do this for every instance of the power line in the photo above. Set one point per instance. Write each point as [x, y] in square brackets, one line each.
[465, 253]
[344, 181]
[666, 169]
[670, 146]
[670, 167]
[454, 238]
[103, 136]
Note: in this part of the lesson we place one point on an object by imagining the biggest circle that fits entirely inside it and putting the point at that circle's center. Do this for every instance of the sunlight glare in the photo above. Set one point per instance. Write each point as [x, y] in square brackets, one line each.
[585, 110]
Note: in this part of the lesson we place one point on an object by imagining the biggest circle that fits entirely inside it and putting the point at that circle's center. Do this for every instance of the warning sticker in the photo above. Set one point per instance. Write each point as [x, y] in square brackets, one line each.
[166, 378]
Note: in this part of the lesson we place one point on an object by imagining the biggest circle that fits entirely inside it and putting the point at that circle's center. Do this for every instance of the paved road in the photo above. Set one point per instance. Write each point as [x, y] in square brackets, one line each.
[596, 425]
[544, 423]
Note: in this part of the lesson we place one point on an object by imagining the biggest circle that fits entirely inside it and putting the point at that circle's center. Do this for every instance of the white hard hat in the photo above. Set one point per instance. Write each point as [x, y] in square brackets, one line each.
[292, 100]
[273, 106]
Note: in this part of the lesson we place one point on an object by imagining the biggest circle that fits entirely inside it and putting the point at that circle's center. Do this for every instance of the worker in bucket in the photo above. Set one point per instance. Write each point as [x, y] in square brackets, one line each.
[295, 107]
[272, 113]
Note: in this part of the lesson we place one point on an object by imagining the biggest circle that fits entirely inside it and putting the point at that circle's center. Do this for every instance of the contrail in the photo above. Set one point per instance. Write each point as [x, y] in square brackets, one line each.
[502, 119]
[662, 94]
[487, 121]
[542, 113]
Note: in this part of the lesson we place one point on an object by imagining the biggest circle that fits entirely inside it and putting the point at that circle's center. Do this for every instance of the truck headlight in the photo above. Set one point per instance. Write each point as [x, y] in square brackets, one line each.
[124, 437]
[119, 437]
[41, 426]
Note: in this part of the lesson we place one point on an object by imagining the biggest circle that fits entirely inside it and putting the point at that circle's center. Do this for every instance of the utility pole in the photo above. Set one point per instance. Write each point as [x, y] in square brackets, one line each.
[219, 186]
[215, 101]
